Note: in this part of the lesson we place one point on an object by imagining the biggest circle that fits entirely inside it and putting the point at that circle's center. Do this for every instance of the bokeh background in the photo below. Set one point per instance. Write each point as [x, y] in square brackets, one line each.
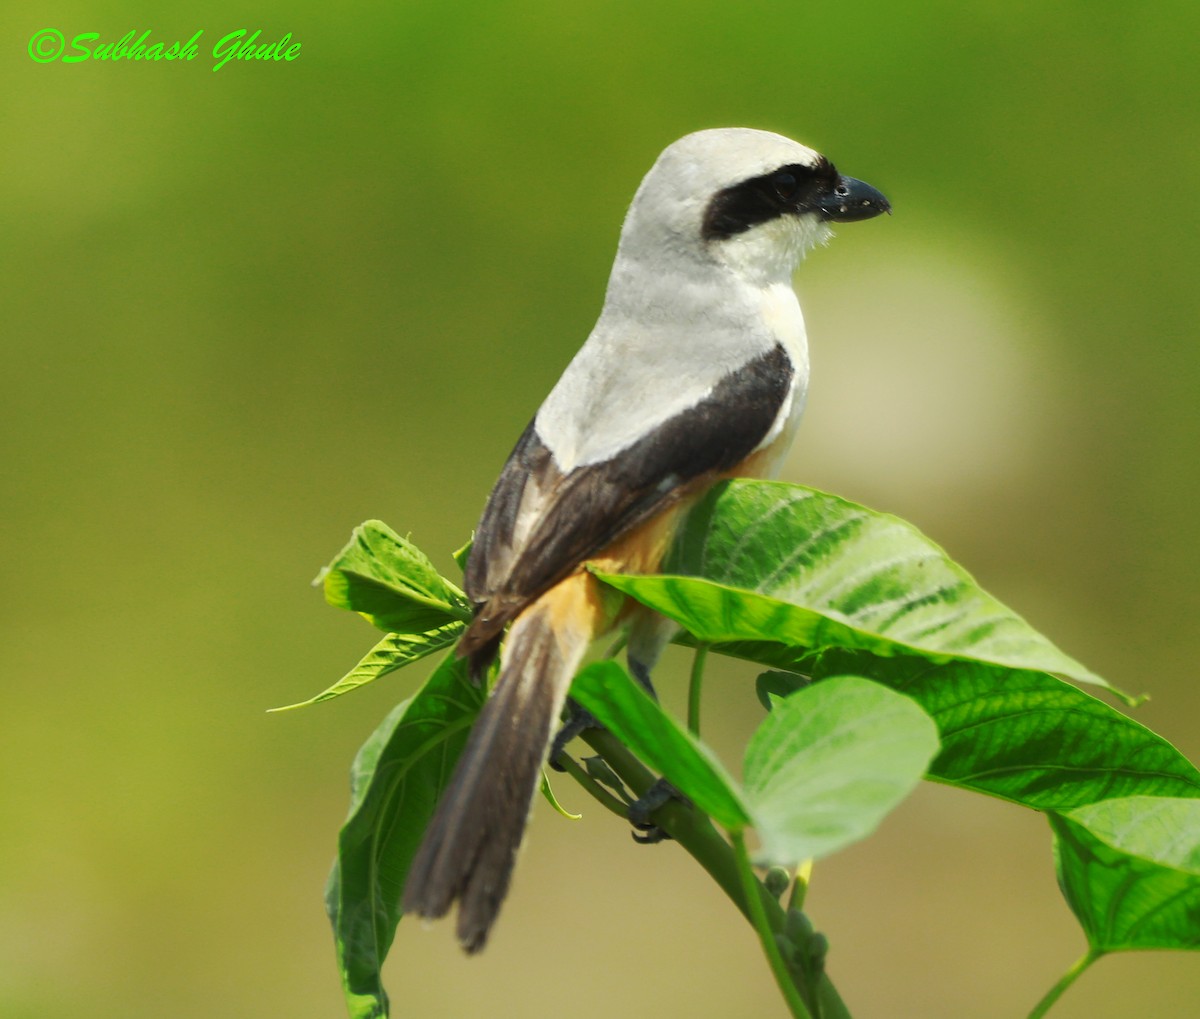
[242, 311]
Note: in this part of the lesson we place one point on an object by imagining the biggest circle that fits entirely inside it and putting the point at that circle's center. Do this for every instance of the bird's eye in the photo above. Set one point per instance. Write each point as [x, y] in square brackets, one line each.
[842, 190]
[785, 185]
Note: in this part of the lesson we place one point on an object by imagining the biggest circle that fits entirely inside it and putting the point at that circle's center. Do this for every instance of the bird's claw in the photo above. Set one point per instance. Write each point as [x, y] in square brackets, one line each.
[641, 809]
[578, 722]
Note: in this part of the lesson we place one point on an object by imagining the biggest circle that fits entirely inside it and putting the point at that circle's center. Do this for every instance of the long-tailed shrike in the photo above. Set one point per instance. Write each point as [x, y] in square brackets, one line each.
[696, 370]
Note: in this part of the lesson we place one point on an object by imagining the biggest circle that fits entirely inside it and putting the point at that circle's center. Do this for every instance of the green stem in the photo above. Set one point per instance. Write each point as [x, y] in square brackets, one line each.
[696, 835]
[694, 688]
[800, 886]
[787, 987]
[687, 826]
[691, 829]
[606, 799]
[618, 646]
[1065, 981]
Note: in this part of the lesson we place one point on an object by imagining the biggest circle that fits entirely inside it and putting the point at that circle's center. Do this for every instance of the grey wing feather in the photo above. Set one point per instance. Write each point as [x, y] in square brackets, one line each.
[540, 524]
[529, 467]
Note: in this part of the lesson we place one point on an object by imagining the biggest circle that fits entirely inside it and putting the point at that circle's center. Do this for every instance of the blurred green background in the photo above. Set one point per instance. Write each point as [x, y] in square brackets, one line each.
[243, 311]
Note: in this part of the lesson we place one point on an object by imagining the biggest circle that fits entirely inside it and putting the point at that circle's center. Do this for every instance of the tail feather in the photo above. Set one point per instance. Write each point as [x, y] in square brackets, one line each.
[470, 846]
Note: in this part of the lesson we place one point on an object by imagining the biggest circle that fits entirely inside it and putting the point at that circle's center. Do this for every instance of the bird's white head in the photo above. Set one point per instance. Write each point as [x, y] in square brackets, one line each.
[740, 200]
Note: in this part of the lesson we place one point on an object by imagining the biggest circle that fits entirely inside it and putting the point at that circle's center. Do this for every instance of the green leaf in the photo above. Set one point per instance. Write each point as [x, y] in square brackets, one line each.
[771, 687]
[626, 710]
[397, 778]
[770, 571]
[829, 762]
[390, 582]
[1130, 870]
[820, 772]
[600, 772]
[395, 651]
[548, 793]
[1027, 737]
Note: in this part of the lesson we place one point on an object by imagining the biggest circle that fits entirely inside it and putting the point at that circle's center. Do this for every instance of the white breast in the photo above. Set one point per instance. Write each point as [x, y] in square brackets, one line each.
[650, 358]
[782, 314]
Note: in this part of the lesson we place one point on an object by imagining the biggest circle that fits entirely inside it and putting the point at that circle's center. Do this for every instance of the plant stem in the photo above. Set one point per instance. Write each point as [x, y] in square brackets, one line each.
[766, 934]
[691, 829]
[694, 688]
[618, 646]
[800, 886]
[606, 799]
[687, 826]
[1065, 981]
[695, 834]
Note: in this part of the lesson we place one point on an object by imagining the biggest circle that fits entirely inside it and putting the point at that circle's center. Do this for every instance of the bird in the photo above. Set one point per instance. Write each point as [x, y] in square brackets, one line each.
[696, 371]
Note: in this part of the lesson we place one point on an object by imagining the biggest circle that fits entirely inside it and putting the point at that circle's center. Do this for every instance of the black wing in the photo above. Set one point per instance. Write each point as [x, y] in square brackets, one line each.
[587, 509]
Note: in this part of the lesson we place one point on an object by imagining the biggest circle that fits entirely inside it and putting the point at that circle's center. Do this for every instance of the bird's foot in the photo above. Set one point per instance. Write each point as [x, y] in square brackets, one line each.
[578, 721]
[641, 809]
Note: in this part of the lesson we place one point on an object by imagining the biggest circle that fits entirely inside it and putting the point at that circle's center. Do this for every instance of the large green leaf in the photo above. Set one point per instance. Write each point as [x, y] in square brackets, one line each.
[397, 778]
[772, 572]
[395, 651]
[829, 762]
[821, 771]
[1026, 736]
[391, 582]
[1130, 870]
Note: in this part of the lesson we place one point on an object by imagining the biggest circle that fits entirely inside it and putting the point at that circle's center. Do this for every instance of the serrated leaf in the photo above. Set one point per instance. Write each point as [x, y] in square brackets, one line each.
[771, 571]
[829, 762]
[396, 780]
[1027, 737]
[395, 651]
[461, 555]
[1130, 870]
[626, 710]
[389, 581]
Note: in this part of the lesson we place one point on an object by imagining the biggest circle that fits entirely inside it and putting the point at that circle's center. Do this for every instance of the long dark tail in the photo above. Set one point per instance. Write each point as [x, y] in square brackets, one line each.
[471, 844]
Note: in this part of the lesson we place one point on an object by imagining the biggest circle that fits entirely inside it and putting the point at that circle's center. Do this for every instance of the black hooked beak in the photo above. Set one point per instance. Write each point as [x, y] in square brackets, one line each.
[852, 200]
